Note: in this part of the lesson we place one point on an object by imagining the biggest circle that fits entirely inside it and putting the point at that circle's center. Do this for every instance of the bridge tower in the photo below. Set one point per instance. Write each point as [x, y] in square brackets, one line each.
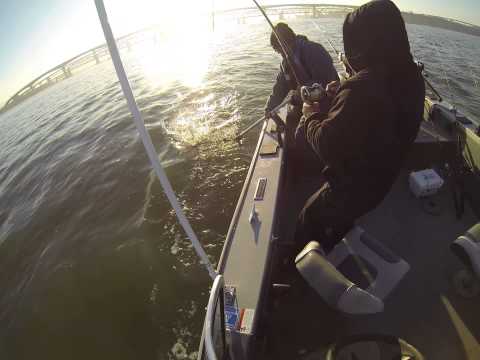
[66, 72]
[96, 57]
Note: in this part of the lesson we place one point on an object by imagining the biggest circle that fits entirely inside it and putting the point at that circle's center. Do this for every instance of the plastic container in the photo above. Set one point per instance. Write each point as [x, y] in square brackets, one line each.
[425, 182]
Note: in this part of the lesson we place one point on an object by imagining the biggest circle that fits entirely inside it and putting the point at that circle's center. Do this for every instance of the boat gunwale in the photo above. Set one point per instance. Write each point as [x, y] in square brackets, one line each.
[241, 200]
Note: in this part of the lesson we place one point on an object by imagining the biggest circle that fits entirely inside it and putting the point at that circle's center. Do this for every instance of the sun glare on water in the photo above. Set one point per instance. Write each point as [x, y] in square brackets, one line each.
[180, 49]
[176, 55]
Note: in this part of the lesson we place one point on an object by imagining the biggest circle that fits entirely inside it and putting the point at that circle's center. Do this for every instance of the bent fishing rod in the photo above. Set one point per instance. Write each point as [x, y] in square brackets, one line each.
[286, 51]
[287, 55]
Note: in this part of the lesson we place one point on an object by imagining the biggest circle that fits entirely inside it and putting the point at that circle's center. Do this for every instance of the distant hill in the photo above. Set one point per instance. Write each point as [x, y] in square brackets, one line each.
[440, 22]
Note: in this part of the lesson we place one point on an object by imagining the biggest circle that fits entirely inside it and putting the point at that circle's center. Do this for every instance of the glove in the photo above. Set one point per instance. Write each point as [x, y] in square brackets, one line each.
[332, 88]
[300, 136]
[309, 109]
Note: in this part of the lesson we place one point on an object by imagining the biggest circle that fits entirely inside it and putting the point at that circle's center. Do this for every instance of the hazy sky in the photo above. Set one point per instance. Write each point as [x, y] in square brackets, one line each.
[39, 34]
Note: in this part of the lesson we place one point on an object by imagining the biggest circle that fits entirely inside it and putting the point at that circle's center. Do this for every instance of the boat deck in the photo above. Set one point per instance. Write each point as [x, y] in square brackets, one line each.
[423, 309]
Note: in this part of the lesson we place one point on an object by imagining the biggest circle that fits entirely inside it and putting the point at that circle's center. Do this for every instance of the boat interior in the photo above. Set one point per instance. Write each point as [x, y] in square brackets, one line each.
[409, 270]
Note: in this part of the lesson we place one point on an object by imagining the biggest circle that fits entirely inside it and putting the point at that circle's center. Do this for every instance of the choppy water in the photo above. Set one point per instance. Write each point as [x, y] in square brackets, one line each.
[92, 262]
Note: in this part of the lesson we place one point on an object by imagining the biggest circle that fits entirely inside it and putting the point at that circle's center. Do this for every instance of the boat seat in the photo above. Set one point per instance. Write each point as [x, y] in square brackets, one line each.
[467, 248]
[356, 276]
[333, 287]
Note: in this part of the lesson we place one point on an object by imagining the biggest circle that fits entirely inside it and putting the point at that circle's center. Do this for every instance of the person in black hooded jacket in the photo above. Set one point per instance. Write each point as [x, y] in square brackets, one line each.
[364, 134]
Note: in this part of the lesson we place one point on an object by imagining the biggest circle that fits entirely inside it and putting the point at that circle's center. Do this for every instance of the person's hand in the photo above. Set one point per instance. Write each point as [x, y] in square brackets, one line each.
[332, 88]
[309, 109]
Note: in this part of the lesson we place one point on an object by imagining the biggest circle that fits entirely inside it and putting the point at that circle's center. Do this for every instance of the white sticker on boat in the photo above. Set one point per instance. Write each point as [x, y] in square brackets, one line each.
[246, 321]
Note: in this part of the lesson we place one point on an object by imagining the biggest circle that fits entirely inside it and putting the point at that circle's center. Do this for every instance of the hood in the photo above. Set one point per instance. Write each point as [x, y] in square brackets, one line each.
[375, 35]
[300, 41]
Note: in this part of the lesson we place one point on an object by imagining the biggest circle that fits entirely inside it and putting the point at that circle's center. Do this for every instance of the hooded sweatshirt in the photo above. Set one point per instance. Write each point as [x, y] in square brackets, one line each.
[316, 65]
[375, 116]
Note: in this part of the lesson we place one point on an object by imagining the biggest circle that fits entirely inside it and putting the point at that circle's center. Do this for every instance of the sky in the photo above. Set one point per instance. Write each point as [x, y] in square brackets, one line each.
[37, 35]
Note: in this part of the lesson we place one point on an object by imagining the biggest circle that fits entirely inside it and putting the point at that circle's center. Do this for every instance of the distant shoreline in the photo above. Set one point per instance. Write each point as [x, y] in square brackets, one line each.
[442, 23]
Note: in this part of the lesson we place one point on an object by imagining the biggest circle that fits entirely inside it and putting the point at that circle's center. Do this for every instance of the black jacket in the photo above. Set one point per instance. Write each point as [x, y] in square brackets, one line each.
[374, 118]
[316, 63]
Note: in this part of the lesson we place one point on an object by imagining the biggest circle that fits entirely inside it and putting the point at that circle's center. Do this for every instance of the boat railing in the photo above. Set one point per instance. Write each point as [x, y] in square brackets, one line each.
[214, 332]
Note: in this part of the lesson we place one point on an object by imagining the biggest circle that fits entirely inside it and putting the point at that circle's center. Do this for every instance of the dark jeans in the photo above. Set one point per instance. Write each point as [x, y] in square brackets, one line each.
[326, 217]
[330, 213]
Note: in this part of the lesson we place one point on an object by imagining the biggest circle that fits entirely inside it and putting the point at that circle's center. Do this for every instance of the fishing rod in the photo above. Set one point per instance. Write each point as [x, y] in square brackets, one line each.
[286, 51]
[421, 68]
[259, 121]
[445, 77]
[287, 55]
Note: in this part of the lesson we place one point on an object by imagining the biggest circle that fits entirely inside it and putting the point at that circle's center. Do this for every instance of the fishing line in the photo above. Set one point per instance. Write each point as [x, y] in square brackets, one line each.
[340, 57]
[474, 79]
[417, 60]
[445, 77]
[337, 53]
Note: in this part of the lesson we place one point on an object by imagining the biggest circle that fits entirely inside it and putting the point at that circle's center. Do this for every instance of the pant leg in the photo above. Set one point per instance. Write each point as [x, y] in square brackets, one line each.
[326, 218]
[293, 118]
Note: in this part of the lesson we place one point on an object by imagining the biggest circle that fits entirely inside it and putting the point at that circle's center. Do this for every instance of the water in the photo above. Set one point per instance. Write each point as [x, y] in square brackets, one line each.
[92, 261]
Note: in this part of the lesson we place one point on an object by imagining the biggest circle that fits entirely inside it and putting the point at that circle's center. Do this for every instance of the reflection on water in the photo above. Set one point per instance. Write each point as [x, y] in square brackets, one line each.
[184, 58]
[92, 261]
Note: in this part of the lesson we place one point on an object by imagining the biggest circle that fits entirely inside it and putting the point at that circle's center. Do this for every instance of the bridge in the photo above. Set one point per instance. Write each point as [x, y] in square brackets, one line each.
[99, 53]
[66, 69]
[281, 10]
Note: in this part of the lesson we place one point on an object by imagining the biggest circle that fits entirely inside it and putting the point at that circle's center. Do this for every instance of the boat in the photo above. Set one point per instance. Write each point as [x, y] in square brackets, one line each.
[407, 273]
[402, 284]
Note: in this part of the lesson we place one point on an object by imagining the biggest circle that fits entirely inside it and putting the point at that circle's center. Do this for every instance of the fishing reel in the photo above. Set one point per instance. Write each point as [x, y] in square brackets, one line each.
[313, 93]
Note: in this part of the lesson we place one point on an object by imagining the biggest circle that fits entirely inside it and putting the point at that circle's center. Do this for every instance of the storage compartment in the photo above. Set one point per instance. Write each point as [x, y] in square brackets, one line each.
[424, 182]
